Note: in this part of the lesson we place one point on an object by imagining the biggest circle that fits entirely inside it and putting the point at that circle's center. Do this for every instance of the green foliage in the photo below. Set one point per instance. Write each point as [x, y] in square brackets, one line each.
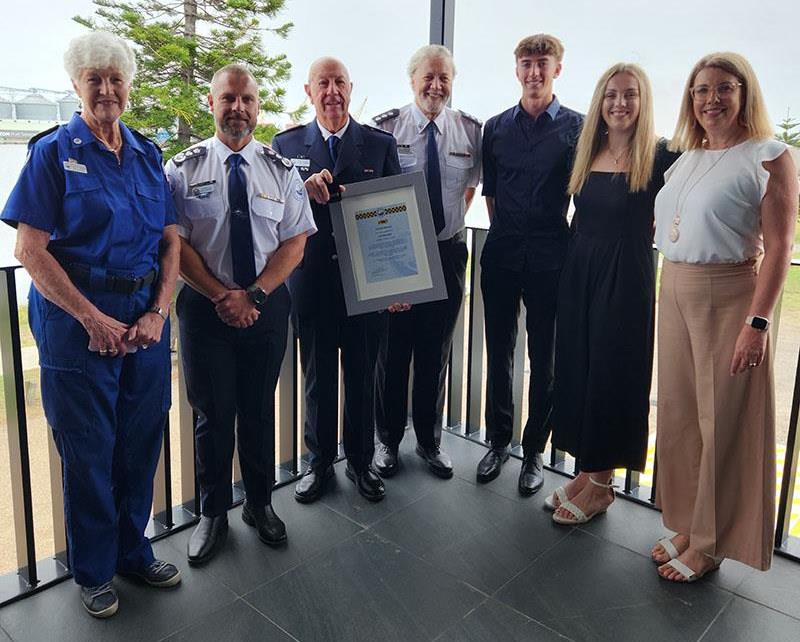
[179, 44]
[789, 131]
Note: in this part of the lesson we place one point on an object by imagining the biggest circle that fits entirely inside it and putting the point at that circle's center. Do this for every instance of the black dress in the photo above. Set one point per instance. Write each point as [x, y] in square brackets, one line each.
[605, 323]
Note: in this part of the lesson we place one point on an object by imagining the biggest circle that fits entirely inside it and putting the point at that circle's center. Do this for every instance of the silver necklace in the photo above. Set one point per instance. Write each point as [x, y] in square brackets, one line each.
[674, 232]
[617, 159]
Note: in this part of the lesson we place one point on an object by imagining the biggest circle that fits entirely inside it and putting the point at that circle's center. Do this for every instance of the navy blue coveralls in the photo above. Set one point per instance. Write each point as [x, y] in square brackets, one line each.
[107, 413]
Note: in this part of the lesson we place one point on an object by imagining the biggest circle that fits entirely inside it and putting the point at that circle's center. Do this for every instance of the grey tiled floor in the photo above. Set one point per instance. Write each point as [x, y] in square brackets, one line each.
[437, 560]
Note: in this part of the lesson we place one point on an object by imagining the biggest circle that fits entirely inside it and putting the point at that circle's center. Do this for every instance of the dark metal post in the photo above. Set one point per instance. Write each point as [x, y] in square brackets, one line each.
[789, 467]
[443, 14]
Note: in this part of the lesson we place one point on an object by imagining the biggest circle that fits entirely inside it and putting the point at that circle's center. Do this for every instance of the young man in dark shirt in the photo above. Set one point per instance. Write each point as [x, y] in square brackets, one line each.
[527, 158]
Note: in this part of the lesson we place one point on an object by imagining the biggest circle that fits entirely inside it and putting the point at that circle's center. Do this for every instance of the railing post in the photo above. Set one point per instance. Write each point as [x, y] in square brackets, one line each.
[790, 464]
[475, 361]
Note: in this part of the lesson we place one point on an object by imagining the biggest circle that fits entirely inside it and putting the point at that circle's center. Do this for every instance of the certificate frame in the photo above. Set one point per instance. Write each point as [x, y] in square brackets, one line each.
[386, 244]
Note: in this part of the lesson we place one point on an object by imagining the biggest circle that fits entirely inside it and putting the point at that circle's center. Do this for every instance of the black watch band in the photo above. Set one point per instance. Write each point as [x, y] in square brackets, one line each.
[256, 295]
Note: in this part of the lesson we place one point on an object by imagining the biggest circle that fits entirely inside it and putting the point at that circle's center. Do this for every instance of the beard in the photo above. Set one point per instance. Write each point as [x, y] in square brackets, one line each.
[233, 128]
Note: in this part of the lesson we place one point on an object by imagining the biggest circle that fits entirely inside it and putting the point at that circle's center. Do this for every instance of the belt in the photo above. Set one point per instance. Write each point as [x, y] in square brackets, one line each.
[108, 282]
[456, 238]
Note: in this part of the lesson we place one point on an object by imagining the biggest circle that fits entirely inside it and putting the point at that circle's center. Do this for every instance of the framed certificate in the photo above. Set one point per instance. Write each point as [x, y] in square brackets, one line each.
[386, 244]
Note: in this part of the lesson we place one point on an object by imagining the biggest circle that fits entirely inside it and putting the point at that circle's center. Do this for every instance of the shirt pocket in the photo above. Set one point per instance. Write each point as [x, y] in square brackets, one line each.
[266, 215]
[85, 204]
[457, 171]
[196, 208]
[408, 159]
[150, 197]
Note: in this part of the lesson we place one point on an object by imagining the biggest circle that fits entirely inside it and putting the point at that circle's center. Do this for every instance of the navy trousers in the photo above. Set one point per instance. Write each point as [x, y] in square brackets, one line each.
[107, 415]
[231, 374]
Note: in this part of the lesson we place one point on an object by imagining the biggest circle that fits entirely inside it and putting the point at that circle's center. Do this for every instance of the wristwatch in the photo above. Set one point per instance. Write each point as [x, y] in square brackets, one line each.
[256, 295]
[757, 323]
[159, 311]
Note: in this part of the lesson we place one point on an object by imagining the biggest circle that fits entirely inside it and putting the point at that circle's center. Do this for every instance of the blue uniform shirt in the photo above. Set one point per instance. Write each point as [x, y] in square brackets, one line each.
[99, 212]
[526, 168]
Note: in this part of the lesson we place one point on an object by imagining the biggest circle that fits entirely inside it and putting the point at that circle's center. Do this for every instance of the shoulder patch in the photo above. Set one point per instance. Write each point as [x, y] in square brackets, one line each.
[376, 129]
[470, 118]
[387, 115]
[275, 157]
[41, 135]
[198, 151]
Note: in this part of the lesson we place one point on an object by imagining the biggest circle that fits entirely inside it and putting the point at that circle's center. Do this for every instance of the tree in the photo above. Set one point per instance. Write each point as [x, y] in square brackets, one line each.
[787, 132]
[179, 44]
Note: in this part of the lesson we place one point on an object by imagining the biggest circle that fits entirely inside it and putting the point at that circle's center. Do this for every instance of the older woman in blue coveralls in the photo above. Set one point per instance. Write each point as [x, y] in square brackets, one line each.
[96, 231]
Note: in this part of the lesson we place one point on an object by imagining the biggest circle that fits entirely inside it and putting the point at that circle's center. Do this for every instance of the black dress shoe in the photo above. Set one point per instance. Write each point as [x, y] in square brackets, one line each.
[312, 484]
[491, 463]
[438, 462]
[368, 483]
[531, 477]
[386, 460]
[208, 536]
[271, 529]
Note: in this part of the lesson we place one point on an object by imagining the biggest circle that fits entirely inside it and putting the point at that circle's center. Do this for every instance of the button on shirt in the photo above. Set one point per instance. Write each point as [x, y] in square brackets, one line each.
[100, 212]
[279, 206]
[526, 168]
[459, 142]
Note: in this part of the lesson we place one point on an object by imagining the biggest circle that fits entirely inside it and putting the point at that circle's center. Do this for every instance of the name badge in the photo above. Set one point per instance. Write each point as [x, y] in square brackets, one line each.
[274, 199]
[403, 148]
[71, 165]
[461, 154]
[202, 190]
[302, 163]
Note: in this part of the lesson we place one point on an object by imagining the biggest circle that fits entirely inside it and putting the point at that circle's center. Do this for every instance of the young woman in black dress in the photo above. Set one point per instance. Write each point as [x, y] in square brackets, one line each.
[604, 327]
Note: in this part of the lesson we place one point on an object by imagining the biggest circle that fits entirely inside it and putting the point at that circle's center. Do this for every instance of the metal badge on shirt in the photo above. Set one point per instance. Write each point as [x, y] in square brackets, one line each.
[203, 189]
[303, 164]
[71, 165]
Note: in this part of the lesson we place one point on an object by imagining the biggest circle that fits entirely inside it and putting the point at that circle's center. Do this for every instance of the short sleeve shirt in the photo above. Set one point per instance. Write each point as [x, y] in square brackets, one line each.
[279, 206]
[100, 211]
[458, 139]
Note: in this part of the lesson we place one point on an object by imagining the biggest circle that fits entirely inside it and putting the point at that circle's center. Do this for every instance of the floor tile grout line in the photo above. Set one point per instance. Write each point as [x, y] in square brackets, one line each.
[194, 621]
[269, 619]
[766, 606]
[716, 617]
[464, 617]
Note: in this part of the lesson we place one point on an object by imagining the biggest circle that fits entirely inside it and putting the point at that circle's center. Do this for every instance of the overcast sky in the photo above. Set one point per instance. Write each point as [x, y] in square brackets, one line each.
[375, 39]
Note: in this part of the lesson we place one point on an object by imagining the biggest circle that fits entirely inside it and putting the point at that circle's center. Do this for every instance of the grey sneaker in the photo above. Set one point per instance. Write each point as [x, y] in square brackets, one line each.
[100, 601]
[160, 574]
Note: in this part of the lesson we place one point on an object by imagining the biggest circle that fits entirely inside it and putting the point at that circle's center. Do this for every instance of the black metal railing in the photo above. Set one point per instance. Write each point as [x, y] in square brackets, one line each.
[175, 510]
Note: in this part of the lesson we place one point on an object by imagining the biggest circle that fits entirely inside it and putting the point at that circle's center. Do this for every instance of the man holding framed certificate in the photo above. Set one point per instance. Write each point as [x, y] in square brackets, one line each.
[445, 144]
[330, 150]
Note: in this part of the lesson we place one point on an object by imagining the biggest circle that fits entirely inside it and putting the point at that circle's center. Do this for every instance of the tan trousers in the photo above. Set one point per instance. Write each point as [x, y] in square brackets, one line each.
[715, 445]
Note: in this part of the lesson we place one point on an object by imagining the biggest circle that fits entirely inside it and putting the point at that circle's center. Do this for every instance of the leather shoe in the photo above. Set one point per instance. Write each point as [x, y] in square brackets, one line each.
[385, 460]
[312, 484]
[438, 462]
[208, 537]
[491, 463]
[531, 477]
[271, 529]
[368, 483]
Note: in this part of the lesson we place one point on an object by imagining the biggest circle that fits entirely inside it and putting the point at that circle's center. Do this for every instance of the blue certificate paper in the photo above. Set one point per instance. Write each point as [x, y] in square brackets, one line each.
[386, 243]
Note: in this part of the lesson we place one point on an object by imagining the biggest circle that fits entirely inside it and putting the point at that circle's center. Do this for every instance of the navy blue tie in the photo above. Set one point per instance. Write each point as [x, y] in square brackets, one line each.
[333, 147]
[434, 179]
[244, 262]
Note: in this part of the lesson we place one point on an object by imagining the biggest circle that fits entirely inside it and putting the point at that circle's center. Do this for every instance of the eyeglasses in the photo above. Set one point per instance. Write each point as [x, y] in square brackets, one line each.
[723, 90]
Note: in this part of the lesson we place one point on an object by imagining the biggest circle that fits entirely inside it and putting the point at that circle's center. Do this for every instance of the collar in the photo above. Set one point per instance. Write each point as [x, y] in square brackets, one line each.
[421, 120]
[248, 152]
[326, 134]
[552, 109]
[80, 134]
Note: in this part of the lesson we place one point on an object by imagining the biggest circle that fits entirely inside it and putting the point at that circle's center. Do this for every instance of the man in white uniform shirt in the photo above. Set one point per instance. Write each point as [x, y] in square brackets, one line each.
[445, 144]
[243, 218]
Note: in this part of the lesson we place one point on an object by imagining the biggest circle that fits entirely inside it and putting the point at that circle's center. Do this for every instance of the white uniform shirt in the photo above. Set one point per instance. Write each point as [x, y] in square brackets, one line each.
[279, 205]
[458, 138]
[326, 134]
[717, 194]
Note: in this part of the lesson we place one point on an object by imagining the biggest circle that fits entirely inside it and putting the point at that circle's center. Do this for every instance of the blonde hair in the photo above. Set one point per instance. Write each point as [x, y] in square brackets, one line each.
[540, 44]
[753, 115]
[643, 143]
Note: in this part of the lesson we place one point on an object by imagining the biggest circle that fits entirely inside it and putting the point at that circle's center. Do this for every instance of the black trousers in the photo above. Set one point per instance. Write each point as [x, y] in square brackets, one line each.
[359, 338]
[231, 374]
[426, 332]
[502, 290]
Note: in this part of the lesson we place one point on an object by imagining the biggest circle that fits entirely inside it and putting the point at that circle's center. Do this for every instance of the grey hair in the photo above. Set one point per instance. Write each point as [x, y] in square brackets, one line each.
[99, 50]
[234, 68]
[427, 52]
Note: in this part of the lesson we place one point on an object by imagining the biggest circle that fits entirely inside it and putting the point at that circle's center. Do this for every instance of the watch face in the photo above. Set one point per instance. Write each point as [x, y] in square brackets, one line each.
[257, 296]
[759, 323]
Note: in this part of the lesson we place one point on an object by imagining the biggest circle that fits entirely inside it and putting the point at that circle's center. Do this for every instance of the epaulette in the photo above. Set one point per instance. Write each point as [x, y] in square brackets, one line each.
[377, 129]
[275, 157]
[472, 119]
[40, 135]
[144, 139]
[291, 128]
[387, 115]
[198, 151]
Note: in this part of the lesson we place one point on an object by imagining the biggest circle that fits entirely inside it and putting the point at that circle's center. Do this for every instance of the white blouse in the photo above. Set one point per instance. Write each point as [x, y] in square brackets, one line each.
[709, 208]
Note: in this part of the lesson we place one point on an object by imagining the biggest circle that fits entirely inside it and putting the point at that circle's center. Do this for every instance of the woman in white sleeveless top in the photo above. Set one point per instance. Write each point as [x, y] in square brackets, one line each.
[725, 225]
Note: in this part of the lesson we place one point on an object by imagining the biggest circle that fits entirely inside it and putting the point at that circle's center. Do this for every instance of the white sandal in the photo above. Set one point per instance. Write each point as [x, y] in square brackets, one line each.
[669, 548]
[560, 494]
[688, 574]
[578, 516]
